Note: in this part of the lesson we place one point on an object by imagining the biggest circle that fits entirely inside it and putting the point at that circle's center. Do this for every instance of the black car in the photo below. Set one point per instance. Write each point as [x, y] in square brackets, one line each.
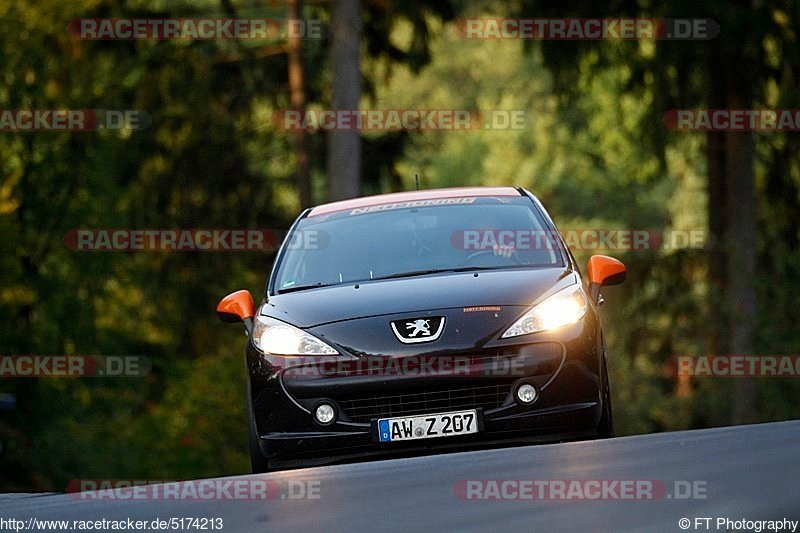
[423, 320]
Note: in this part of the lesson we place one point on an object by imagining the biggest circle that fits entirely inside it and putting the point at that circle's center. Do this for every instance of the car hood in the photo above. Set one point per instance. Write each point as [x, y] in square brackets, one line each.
[314, 307]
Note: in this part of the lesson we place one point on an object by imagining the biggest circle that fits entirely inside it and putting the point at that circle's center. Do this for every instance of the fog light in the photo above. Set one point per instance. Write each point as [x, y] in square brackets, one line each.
[526, 393]
[324, 413]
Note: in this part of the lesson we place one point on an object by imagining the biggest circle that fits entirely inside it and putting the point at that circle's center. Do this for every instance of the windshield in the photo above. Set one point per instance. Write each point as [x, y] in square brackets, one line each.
[395, 241]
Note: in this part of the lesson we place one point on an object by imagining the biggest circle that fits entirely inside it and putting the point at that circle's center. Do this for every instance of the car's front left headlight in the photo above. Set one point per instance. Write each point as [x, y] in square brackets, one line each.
[565, 307]
[279, 338]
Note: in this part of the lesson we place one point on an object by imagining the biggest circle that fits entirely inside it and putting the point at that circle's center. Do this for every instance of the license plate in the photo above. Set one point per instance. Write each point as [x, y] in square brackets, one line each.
[428, 426]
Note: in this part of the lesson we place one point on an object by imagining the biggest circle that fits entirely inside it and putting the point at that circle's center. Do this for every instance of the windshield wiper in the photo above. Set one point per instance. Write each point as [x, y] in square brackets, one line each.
[410, 274]
[304, 287]
[414, 273]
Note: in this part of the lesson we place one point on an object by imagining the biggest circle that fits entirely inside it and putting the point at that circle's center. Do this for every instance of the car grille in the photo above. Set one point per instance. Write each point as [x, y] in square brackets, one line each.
[366, 408]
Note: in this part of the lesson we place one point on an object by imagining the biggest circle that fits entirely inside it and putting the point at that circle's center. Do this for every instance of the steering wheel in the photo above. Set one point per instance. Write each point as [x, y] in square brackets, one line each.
[513, 259]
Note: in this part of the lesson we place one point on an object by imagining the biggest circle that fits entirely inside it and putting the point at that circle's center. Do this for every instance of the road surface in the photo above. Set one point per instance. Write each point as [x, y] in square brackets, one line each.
[738, 473]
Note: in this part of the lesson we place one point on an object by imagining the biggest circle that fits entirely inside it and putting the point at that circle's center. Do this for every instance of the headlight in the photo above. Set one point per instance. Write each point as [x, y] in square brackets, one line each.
[564, 307]
[279, 338]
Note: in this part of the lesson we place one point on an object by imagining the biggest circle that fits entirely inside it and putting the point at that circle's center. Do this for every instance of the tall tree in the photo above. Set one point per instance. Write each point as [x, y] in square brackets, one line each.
[740, 245]
[297, 100]
[344, 147]
[731, 71]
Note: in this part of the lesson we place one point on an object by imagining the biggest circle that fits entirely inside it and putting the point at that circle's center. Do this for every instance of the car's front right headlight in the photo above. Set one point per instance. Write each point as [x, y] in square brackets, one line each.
[565, 307]
[279, 338]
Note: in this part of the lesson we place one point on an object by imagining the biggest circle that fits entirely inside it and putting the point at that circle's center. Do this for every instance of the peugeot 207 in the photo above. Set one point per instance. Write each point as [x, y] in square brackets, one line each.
[424, 320]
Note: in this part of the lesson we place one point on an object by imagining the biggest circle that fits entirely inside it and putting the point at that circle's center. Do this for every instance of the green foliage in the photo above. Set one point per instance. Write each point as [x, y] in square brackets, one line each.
[591, 159]
[594, 150]
[210, 159]
[193, 167]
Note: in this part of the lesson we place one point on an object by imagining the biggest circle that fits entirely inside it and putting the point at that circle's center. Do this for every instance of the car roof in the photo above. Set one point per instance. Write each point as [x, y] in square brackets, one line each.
[412, 196]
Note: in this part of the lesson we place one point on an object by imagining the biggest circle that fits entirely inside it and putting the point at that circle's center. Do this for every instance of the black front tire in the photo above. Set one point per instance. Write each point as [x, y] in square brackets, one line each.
[605, 429]
[258, 462]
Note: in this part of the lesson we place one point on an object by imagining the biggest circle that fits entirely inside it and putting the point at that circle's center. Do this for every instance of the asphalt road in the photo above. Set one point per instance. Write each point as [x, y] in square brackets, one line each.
[740, 473]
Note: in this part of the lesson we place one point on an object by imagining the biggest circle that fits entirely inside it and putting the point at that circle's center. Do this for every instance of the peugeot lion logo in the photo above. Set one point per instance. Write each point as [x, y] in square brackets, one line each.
[419, 326]
[414, 330]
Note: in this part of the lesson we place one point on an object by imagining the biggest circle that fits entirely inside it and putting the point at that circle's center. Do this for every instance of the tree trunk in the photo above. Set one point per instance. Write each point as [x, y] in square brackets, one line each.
[297, 101]
[741, 248]
[344, 147]
[717, 200]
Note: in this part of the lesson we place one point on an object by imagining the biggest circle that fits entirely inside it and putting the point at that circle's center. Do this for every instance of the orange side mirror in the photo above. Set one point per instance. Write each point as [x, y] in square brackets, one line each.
[604, 270]
[237, 307]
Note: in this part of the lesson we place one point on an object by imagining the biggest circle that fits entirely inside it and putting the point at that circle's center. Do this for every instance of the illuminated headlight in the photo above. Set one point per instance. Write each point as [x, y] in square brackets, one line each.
[564, 307]
[279, 338]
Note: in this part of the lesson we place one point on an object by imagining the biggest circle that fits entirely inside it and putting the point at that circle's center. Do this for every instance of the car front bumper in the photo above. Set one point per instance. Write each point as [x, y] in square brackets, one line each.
[565, 367]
